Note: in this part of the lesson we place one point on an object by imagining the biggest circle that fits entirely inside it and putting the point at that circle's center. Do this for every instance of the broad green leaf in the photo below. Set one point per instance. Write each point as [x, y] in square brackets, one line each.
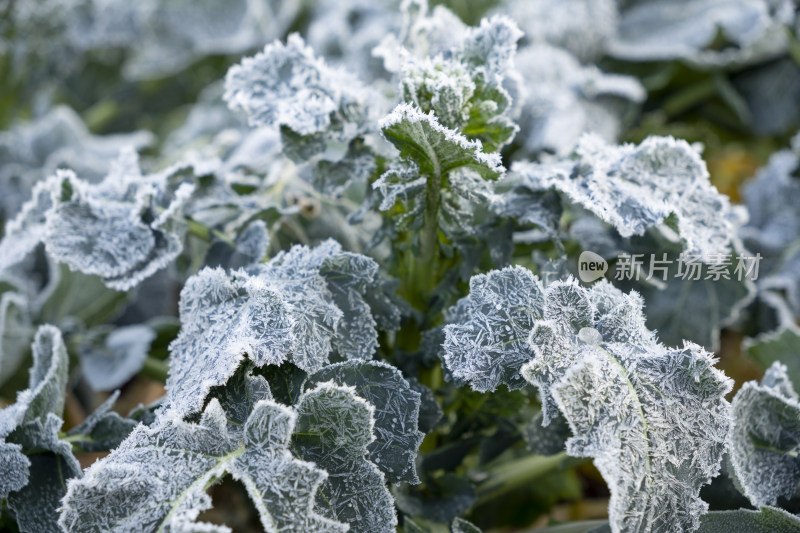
[397, 405]
[156, 480]
[334, 430]
[779, 346]
[487, 345]
[765, 440]
[634, 188]
[436, 149]
[654, 419]
[765, 520]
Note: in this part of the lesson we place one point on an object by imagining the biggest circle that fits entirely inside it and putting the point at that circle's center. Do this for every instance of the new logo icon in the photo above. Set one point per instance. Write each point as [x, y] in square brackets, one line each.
[591, 267]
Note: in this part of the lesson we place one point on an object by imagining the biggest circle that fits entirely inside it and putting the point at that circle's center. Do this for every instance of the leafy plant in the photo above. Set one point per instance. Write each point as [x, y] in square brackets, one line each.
[334, 276]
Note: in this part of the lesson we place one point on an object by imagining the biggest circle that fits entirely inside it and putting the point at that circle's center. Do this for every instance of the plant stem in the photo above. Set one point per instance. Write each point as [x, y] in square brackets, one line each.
[155, 368]
[430, 231]
[515, 474]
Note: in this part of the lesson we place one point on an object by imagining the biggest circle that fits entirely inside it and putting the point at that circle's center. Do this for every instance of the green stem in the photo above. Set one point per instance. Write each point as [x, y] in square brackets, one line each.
[430, 231]
[206, 234]
[156, 369]
[515, 474]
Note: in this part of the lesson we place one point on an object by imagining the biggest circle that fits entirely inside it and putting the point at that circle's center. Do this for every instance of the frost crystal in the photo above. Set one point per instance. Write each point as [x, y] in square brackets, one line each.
[33, 483]
[157, 478]
[635, 188]
[286, 85]
[123, 229]
[436, 149]
[654, 419]
[334, 430]
[397, 406]
[299, 306]
[488, 344]
[766, 437]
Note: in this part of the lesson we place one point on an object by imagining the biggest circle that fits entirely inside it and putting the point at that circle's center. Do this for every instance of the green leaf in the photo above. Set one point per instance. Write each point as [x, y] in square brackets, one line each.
[158, 477]
[765, 441]
[51, 466]
[782, 346]
[334, 430]
[102, 430]
[654, 419]
[765, 520]
[396, 404]
[436, 149]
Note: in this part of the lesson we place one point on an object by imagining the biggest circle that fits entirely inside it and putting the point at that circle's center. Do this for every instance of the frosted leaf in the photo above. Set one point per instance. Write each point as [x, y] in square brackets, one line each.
[32, 151]
[583, 27]
[47, 382]
[774, 224]
[15, 467]
[765, 520]
[111, 363]
[334, 430]
[460, 525]
[348, 278]
[16, 332]
[487, 345]
[402, 182]
[779, 346]
[436, 149]
[32, 423]
[654, 422]
[102, 430]
[676, 29]
[223, 318]
[655, 419]
[118, 229]
[634, 188]
[456, 72]
[297, 307]
[546, 440]
[282, 488]
[241, 393]
[490, 47]
[354, 169]
[766, 437]
[397, 407]
[51, 464]
[286, 85]
[560, 99]
[157, 478]
[27, 229]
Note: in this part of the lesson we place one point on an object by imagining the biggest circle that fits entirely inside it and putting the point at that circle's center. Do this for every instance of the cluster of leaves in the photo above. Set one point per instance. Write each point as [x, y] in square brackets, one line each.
[344, 267]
